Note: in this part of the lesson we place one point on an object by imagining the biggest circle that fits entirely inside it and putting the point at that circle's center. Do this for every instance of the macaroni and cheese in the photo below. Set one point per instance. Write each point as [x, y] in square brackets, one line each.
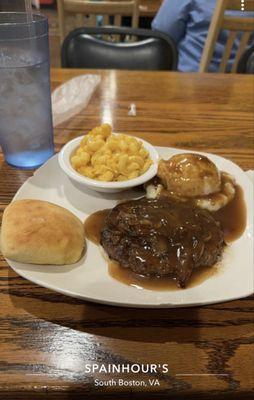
[105, 156]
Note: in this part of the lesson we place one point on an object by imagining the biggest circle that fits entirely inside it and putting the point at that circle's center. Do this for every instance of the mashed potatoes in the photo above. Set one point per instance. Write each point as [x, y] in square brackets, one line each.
[105, 156]
[195, 178]
[189, 175]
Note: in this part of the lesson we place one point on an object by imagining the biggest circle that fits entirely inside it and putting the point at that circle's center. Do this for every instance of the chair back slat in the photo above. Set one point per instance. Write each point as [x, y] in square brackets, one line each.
[60, 11]
[91, 20]
[135, 15]
[235, 24]
[105, 20]
[117, 20]
[242, 46]
[227, 51]
[213, 33]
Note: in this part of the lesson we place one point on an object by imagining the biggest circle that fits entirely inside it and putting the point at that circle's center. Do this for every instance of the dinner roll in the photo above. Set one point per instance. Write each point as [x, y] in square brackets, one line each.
[39, 232]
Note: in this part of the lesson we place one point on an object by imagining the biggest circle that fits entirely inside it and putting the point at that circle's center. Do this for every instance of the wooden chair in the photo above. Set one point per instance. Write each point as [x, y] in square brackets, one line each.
[91, 8]
[234, 24]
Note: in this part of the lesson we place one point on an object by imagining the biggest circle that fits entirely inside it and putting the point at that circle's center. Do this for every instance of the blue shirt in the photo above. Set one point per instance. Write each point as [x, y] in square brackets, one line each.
[187, 22]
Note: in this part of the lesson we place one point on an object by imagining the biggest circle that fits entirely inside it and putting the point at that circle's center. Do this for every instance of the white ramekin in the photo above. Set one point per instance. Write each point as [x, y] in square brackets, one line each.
[99, 186]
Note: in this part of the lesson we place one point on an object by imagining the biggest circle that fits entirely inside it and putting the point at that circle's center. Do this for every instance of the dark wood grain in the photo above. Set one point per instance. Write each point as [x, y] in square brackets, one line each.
[47, 338]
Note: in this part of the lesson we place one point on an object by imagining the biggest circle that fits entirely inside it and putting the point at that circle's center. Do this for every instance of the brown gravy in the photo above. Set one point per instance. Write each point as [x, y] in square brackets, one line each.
[233, 221]
[94, 224]
[129, 278]
[233, 216]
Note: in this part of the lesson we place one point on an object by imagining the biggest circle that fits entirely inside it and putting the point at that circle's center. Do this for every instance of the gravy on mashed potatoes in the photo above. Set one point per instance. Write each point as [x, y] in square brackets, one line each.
[195, 178]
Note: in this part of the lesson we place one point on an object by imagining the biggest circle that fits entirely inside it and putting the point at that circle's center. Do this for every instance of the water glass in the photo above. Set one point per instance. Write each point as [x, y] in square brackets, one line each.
[26, 132]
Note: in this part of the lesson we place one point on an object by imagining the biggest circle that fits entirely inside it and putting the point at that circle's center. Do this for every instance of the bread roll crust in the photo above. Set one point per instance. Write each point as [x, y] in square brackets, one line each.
[39, 232]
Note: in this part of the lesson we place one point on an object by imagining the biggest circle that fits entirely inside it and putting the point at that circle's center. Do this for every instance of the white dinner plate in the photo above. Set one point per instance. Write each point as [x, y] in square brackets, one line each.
[89, 279]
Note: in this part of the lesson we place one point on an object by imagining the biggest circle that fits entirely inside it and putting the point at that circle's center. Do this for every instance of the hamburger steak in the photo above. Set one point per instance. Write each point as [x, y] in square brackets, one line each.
[157, 237]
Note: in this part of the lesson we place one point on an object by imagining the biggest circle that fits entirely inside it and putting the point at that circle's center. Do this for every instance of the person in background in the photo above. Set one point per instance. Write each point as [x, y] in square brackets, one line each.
[187, 22]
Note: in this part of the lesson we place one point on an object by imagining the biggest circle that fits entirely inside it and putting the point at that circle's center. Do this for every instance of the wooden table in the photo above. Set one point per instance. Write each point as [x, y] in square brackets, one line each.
[47, 338]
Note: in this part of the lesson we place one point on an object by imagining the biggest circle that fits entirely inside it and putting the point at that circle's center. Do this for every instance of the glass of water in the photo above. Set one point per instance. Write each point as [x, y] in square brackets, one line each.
[26, 132]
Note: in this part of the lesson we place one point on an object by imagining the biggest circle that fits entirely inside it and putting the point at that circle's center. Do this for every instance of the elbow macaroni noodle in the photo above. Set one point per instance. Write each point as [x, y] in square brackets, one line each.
[105, 156]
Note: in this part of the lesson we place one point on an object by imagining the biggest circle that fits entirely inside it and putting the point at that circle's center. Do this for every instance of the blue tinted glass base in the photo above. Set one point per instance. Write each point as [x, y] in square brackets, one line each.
[29, 160]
